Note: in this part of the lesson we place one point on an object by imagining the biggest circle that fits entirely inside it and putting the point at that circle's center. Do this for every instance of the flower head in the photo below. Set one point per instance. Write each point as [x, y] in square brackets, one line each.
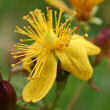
[51, 44]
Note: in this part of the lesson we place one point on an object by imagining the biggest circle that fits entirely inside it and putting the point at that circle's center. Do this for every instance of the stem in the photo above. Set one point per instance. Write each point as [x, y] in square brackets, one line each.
[55, 102]
[59, 89]
[10, 76]
[75, 97]
[83, 28]
[19, 98]
[15, 72]
[90, 81]
[24, 105]
[61, 84]
[46, 105]
[78, 25]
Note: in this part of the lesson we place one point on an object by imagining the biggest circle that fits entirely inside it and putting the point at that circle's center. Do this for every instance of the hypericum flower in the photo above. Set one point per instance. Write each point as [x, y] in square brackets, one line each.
[83, 8]
[51, 44]
[103, 41]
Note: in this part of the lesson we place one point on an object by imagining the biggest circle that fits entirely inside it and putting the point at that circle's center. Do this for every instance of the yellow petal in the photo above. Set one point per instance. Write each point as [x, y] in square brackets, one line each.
[90, 48]
[74, 59]
[60, 4]
[37, 89]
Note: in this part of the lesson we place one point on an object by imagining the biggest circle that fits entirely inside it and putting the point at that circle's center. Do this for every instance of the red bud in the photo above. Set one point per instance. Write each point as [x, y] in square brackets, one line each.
[7, 95]
[103, 39]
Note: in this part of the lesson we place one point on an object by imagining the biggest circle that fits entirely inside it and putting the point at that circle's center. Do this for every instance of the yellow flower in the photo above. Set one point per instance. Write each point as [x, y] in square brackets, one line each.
[82, 7]
[50, 44]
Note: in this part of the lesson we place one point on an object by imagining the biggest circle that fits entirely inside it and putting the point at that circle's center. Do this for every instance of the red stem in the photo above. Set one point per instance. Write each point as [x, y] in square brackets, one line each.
[78, 25]
[92, 85]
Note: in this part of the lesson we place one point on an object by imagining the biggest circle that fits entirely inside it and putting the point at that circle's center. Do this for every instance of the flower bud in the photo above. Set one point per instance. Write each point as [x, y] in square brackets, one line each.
[7, 95]
[103, 39]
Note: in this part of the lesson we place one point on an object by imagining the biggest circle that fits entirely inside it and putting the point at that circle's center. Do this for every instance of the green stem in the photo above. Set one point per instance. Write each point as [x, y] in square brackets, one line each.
[46, 104]
[55, 102]
[24, 105]
[61, 82]
[75, 97]
[83, 25]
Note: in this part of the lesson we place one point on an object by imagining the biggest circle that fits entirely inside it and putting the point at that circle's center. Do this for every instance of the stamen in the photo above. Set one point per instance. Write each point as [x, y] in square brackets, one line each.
[85, 35]
[36, 66]
[33, 60]
[49, 18]
[55, 13]
[22, 60]
[58, 22]
[42, 66]
[24, 40]
[39, 66]
[15, 57]
[14, 53]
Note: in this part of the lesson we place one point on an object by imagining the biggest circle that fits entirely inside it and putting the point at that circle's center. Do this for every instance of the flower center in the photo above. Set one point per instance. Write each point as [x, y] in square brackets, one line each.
[50, 40]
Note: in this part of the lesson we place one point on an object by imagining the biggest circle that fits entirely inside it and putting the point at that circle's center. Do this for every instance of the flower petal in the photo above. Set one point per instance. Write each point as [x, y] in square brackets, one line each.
[90, 48]
[38, 88]
[60, 4]
[74, 59]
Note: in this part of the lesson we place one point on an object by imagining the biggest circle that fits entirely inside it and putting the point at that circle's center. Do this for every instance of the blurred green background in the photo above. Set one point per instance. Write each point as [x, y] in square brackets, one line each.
[11, 12]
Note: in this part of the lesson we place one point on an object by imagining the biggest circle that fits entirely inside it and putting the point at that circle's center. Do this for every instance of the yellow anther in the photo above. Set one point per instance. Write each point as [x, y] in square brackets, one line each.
[17, 27]
[28, 16]
[24, 17]
[74, 13]
[29, 27]
[86, 35]
[15, 57]
[12, 65]
[11, 53]
[29, 78]
[24, 27]
[31, 12]
[21, 40]
[14, 45]
[33, 78]
[36, 10]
